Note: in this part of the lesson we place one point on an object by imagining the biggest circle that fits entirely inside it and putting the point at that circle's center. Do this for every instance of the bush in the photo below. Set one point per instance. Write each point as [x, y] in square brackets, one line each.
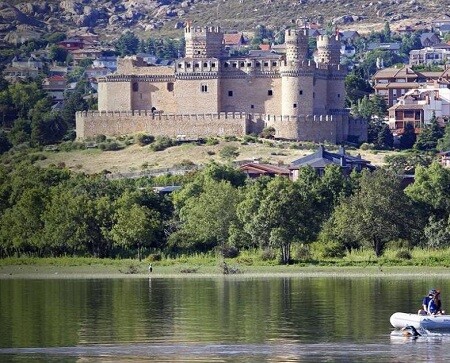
[229, 251]
[230, 138]
[161, 143]
[229, 152]
[268, 254]
[154, 257]
[212, 141]
[110, 146]
[268, 133]
[100, 138]
[250, 138]
[366, 146]
[303, 253]
[330, 249]
[403, 255]
[144, 139]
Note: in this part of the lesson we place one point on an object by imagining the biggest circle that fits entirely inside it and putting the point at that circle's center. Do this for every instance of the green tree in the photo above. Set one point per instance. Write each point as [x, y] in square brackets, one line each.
[356, 88]
[431, 188]
[408, 139]
[366, 216]
[208, 216]
[444, 142]
[127, 44]
[385, 139]
[5, 145]
[134, 227]
[429, 136]
[58, 54]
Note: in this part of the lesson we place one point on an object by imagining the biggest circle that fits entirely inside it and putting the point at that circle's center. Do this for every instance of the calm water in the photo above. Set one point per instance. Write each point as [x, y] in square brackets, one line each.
[218, 319]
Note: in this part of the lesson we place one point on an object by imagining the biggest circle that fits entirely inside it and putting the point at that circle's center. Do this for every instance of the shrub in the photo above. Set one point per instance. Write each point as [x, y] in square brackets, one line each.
[131, 269]
[229, 251]
[403, 254]
[185, 163]
[230, 138]
[229, 152]
[189, 270]
[250, 138]
[366, 146]
[330, 249]
[303, 253]
[268, 254]
[144, 139]
[268, 133]
[100, 138]
[211, 153]
[211, 141]
[110, 146]
[161, 143]
[154, 257]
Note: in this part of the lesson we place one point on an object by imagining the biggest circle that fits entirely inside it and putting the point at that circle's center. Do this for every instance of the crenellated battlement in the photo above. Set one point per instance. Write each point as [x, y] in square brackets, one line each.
[300, 127]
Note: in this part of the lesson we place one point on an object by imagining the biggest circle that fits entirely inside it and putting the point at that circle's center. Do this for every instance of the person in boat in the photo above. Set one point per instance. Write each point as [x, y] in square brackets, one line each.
[426, 302]
[438, 302]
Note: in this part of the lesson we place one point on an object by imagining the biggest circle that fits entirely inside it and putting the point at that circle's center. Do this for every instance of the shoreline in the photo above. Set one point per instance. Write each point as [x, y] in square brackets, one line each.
[175, 271]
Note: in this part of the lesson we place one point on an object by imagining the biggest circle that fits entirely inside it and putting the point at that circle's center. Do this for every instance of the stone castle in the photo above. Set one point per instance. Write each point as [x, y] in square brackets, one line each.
[208, 93]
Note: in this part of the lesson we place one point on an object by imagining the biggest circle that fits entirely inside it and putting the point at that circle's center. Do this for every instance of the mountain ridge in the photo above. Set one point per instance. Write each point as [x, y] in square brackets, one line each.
[20, 21]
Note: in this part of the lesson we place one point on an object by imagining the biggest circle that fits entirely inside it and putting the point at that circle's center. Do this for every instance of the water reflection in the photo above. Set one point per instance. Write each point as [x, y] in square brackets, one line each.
[221, 318]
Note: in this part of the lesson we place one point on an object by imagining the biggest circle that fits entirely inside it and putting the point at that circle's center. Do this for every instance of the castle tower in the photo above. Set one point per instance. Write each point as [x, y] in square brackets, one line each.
[297, 75]
[328, 49]
[203, 42]
[296, 41]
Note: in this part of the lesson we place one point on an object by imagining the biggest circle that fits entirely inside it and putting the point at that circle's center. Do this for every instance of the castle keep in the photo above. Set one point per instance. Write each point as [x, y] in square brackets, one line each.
[208, 93]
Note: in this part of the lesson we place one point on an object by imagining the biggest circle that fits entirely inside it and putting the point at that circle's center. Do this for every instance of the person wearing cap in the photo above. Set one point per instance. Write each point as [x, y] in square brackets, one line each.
[426, 302]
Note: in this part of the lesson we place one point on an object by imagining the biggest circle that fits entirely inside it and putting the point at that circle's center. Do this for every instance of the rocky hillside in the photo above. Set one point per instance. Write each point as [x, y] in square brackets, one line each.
[22, 20]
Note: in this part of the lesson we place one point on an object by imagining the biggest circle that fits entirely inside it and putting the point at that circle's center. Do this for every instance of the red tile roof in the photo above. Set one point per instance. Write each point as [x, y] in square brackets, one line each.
[233, 39]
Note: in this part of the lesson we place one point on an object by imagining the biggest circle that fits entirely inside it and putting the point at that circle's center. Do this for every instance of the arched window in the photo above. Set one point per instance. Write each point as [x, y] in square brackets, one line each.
[135, 86]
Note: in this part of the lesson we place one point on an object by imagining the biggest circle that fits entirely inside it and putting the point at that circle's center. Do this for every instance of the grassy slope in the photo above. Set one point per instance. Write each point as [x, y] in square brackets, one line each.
[134, 157]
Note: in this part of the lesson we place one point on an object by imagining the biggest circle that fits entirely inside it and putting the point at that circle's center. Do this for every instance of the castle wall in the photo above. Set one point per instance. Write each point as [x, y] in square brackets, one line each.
[336, 90]
[329, 128]
[160, 95]
[197, 96]
[320, 94]
[114, 96]
[249, 90]
[91, 123]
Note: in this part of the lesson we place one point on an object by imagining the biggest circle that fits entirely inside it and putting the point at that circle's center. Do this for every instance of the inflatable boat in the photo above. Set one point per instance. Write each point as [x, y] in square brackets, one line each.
[401, 320]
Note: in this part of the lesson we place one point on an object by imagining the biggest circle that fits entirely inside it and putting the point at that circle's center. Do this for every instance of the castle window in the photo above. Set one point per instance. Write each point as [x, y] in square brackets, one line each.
[135, 86]
[234, 65]
[339, 95]
[226, 64]
[274, 64]
[180, 65]
[230, 93]
[170, 86]
[300, 92]
[188, 65]
[204, 88]
[266, 64]
[197, 65]
[198, 52]
[314, 94]
[270, 93]
[252, 106]
[249, 64]
[205, 65]
[295, 105]
[213, 65]
[242, 64]
[258, 64]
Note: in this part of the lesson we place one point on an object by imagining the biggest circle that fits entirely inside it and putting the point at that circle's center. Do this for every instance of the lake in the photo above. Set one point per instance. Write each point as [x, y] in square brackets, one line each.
[221, 319]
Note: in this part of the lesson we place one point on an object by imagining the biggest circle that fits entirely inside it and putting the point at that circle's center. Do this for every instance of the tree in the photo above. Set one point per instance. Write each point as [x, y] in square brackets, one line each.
[431, 188]
[385, 139]
[5, 145]
[386, 32]
[208, 216]
[127, 44]
[444, 143]
[134, 227]
[58, 54]
[356, 88]
[429, 136]
[367, 215]
[408, 139]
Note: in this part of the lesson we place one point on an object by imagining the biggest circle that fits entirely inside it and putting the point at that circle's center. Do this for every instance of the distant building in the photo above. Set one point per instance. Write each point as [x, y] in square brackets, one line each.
[439, 54]
[321, 158]
[392, 83]
[418, 106]
[55, 86]
[429, 39]
[255, 170]
[391, 47]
